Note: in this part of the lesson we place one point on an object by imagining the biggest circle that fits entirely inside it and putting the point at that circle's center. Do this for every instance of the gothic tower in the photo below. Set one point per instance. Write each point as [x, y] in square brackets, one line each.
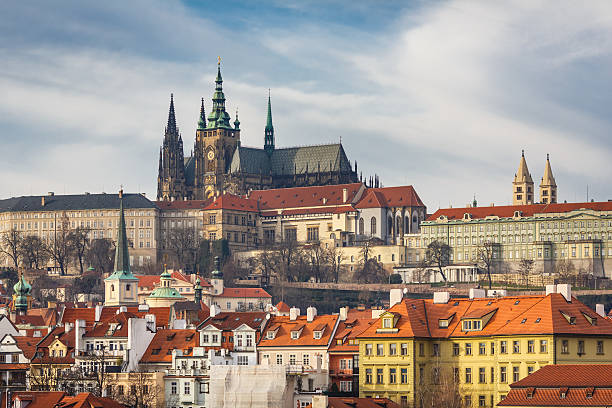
[269, 131]
[171, 178]
[548, 186]
[522, 186]
[215, 144]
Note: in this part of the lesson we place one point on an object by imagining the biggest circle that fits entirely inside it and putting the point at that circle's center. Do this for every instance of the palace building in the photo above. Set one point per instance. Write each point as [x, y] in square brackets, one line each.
[220, 164]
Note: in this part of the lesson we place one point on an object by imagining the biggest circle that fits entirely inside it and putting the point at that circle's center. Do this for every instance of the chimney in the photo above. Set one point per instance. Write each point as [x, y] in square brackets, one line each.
[67, 327]
[343, 313]
[311, 313]
[122, 309]
[395, 297]
[151, 322]
[143, 308]
[441, 297]
[98, 312]
[566, 290]
[477, 293]
[294, 312]
[214, 310]
[344, 195]
[551, 289]
[600, 309]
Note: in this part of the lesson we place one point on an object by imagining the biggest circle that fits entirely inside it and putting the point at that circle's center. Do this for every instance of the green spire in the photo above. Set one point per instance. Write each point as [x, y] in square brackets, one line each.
[197, 291]
[217, 272]
[22, 290]
[237, 122]
[218, 117]
[202, 119]
[122, 255]
[269, 131]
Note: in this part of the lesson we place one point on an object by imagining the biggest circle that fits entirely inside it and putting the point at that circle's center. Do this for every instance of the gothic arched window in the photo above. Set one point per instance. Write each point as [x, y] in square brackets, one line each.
[398, 225]
[390, 225]
[373, 225]
[361, 226]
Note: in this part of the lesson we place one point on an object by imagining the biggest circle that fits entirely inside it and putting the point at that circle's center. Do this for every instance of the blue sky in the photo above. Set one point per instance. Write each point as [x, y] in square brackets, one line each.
[442, 95]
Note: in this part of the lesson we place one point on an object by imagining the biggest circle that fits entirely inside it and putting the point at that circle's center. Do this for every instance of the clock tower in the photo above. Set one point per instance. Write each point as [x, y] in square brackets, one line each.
[216, 141]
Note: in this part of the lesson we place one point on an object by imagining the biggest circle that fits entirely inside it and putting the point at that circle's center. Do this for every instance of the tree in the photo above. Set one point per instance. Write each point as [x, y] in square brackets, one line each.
[335, 257]
[422, 273]
[33, 252]
[79, 241]
[442, 390]
[44, 289]
[101, 254]
[369, 269]
[438, 255]
[486, 256]
[318, 258]
[184, 244]
[140, 390]
[395, 278]
[10, 245]
[524, 269]
[59, 246]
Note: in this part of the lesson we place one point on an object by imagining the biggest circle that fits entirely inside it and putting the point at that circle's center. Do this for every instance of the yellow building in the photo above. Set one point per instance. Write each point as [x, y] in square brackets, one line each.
[484, 343]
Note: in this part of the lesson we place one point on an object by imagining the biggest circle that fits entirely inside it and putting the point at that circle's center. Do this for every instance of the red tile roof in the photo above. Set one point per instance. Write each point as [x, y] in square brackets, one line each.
[14, 366]
[182, 205]
[162, 314]
[27, 345]
[356, 322]
[286, 326]
[401, 196]
[35, 320]
[299, 197]
[569, 375]
[119, 322]
[507, 211]
[150, 281]
[282, 307]
[165, 340]
[88, 400]
[233, 320]
[233, 202]
[245, 293]
[353, 402]
[38, 399]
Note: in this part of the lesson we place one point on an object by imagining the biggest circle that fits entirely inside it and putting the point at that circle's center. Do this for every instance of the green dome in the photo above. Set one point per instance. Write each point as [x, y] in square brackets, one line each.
[22, 288]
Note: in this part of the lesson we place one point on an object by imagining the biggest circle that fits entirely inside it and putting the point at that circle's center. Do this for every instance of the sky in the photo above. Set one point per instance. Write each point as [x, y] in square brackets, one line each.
[441, 95]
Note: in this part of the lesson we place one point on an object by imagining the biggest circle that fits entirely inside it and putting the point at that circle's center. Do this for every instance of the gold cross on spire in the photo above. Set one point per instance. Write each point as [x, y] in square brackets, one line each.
[219, 60]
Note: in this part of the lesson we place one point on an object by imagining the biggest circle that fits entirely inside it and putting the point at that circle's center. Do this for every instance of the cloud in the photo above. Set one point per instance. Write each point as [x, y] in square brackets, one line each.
[443, 96]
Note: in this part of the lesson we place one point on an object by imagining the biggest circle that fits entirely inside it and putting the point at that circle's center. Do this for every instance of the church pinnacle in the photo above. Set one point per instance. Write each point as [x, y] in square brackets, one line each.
[522, 186]
[171, 127]
[218, 117]
[548, 185]
[202, 119]
[269, 131]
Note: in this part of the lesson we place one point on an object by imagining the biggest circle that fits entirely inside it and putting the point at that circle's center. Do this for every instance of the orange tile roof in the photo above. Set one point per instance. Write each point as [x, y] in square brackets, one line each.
[182, 204]
[298, 197]
[49, 315]
[245, 293]
[401, 196]
[120, 321]
[233, 320]
[356, 322]
[150, 281]
[569, 375]
[72, 314]
[282, 307]
[88, 400]
[507, 211]
[35, 320]
[38, 399]
[285, 326]
[27, 345]
[165, 340]
[233, 202]
[515, 315]
[14, 366]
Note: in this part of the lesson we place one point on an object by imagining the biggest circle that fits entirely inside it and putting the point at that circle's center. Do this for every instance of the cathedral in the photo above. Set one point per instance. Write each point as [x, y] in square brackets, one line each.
[220, 164]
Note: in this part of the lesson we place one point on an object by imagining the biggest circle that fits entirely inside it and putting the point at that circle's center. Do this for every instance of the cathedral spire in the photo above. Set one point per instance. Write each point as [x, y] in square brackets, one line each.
[522, 186]
[202, 119]
[122, 256]
[171, 128]
[269, 131]
[548, 185]
[218, 117]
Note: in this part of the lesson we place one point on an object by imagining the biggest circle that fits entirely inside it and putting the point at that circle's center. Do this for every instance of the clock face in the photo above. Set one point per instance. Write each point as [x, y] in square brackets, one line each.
[211, 155]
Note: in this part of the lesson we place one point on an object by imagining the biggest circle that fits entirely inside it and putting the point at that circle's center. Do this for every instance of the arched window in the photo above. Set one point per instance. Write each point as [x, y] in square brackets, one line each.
[406, 224]
[361, 226]
[373, 225]
[390, 225]
[112, 288]
[398, 225]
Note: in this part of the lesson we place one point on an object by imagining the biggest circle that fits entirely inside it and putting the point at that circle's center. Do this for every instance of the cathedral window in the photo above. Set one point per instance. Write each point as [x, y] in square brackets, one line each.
[373, 225]
[361, 226]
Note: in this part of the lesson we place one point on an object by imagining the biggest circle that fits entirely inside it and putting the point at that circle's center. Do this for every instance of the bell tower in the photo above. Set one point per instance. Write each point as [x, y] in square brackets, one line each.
[215, 144]
[522, 186]
[548, 185]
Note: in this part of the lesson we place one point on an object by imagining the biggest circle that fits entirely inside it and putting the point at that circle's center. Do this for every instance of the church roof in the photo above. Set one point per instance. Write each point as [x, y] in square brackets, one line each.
[290, 160]
[74, 202]
[548, 179]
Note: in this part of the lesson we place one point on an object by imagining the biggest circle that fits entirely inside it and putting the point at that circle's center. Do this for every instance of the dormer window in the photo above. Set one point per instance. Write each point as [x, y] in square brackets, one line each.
[295, 335]
[592, 320]
[472, 325]
[387, 324]
[318, 334]
[270, 334]
[570, 319]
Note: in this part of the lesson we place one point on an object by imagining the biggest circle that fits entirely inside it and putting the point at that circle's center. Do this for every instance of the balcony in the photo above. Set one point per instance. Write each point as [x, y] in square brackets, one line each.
[345, 372]
[187, 372]
[99, 353]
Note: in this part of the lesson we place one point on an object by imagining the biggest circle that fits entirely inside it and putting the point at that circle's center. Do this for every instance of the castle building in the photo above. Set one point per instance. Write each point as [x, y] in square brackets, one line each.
[220, 164]
[522, 186]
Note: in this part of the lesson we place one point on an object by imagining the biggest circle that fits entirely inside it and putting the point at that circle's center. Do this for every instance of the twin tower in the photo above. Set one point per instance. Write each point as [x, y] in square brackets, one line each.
[522, 186]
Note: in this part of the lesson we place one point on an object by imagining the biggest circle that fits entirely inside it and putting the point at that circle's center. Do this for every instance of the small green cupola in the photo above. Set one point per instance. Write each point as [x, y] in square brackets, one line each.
[197, 289]
[202, 118]
[237, 122]
[22, 290]
[165, 289]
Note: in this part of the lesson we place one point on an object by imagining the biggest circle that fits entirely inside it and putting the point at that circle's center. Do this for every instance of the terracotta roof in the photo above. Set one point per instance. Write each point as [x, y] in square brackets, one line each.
[245, 293]
[35, 320]
[286, 326]
[353, 402]
[316, 210]
[515, 315]
[49, 315]
[182, 205]
[165, 340]
[38, 399]
[551, 397]
[298, 197]
[88, 400]
[282, 307]
[233, 320]
[401, 196]
[151, 281]
[233, 202]
[27, 345]
[356, 322]
[14, 366]
[118, 324]
[569, 375]
[507, 211]
[72, 314]
[162, 314]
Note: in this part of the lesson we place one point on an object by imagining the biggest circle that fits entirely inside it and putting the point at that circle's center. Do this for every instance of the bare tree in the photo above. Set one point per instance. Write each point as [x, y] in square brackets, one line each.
[442, 390]
[486, 256]
[33, 252]
[184, 243]
[422, 273]
[10, 245]
[100, 254]
[317, 256]
[140, 391]
[524, 269]
[79, 241]
[438, 255]
[59, 246]
[335, 257]
[369, 269]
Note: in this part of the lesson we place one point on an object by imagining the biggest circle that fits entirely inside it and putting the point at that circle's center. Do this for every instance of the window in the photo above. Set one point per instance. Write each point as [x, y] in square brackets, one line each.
[404, 349]
[503, 347]
[492, 348]
[529, 370]
[173, 388]
[379, 376]
[436, 350]
[373, 225]
[279, 359]
[187, 388]
[387, 323]
[502, 375]
[392, 349]
[346, 386]
[455, 349]
[368, 377]
[421, 349]
[292, 359]
[313, 233]
[516, 347]
[543, 346]
[515, 373]
[482, 348]
[368, 349]
[404, 375]
[306, 360]
[468, 375]
[530, 346]
[482, 401]
[600, 347]
[467, 401]
[380, 349]
[392, 375]
[468, 349]
[580, 347]
[482, 375]
[564, 347]
[243, 360]
[291, 234]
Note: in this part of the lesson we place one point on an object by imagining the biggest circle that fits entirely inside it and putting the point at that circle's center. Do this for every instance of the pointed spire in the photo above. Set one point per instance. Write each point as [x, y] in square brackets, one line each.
[237, 121]
[474, 203]
[548, 179]
[218, 117]
[522, 175]
[269, 131]
[171, 128]
[202, 118]
[122, 255]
